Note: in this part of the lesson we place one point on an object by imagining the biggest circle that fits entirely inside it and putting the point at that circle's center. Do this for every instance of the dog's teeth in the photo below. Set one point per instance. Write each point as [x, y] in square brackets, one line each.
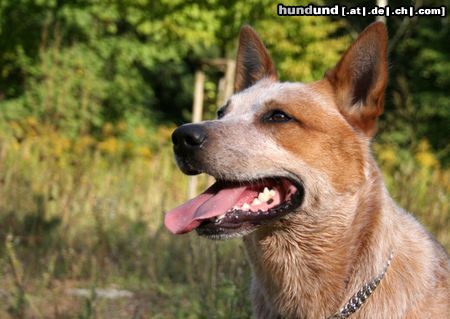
[245, 207]
[266, 194]
[256, 201]
[262, 197]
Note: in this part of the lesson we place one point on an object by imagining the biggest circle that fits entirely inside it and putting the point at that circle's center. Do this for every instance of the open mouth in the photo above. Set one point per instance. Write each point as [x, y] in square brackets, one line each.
[231, 209]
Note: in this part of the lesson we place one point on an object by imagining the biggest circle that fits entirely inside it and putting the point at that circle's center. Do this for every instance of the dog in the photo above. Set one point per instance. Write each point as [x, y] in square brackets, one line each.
[297, 181]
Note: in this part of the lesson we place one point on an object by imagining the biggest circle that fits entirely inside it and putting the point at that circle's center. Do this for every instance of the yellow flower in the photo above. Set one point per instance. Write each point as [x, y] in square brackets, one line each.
[143, 151]
[110, 146]
[60, 145]
[426, 159]
[424, 156]
[387, 155]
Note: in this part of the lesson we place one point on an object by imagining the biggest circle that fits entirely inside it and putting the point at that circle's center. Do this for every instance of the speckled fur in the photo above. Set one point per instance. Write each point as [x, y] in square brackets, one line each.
[310, 263]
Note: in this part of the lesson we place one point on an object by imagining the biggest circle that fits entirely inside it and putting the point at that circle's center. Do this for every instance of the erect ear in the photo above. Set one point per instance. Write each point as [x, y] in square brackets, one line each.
[253, 62]
[360, 77]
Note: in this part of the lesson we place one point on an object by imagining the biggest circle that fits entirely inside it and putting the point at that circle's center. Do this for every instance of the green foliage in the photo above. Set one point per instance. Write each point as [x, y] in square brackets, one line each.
[417, 100]
[79, 64]
[64, 90]
[421, 78]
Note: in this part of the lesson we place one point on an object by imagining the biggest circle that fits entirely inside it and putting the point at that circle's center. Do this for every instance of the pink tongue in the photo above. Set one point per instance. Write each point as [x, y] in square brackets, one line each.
[213, 202]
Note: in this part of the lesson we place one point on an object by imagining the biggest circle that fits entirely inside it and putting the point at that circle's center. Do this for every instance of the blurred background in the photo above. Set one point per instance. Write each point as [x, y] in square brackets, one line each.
[90, 92]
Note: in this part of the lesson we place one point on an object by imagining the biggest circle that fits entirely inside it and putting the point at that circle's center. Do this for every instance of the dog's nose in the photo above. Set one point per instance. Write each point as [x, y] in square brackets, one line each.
[189, 136]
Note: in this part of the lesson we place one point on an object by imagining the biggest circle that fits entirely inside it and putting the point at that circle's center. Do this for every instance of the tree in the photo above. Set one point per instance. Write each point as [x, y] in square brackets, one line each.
[77, 64]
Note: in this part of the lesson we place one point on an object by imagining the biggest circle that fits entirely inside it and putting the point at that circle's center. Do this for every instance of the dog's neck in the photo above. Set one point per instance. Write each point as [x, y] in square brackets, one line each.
[307, 266]
[361, 296]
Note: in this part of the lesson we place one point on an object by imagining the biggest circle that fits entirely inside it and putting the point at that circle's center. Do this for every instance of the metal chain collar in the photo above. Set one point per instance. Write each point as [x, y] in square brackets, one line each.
[358, 299]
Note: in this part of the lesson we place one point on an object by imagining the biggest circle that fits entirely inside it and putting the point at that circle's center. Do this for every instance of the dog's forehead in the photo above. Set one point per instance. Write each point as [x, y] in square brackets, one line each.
[254, 98]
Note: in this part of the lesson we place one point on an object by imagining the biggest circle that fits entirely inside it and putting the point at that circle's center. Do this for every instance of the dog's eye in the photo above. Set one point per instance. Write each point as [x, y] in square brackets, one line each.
[277, 116]
[220, 113]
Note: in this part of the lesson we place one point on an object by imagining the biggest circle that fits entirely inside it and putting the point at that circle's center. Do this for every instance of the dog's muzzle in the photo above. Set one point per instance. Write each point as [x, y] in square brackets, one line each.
[188, 140]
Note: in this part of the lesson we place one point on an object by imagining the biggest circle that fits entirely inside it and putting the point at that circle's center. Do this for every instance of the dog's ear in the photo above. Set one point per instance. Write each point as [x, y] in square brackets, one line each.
[253, 61]
[360, 77]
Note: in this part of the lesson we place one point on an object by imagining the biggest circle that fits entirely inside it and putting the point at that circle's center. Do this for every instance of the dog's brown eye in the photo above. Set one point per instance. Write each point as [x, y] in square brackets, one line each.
[222, 110]
[220, 113]
[278, 117]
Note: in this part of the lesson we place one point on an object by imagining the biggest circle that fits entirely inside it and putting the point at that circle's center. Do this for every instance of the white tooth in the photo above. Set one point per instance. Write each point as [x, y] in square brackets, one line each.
[262, 197]
[256, 201]
[245, 206]
[265, 195]
[272, 193]
[219, 218]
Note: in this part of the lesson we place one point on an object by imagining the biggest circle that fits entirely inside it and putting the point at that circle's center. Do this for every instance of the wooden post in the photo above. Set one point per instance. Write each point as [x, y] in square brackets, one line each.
[197, 106]
[382, 3]
[197, 111]
[226, 84]
[229, 78]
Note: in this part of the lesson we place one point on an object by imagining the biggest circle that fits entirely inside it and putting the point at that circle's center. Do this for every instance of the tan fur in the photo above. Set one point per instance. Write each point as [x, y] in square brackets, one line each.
[309, 263]
[319, 131]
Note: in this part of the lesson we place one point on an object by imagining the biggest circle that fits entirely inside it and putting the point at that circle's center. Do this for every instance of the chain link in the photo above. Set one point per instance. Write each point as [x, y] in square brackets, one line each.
[358, 299]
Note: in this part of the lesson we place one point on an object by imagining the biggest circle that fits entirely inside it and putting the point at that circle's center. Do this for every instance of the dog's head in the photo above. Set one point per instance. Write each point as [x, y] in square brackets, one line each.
[276, 148]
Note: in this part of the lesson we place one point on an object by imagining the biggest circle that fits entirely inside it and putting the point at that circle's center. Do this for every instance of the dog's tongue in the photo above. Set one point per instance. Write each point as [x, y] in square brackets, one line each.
[215, 201]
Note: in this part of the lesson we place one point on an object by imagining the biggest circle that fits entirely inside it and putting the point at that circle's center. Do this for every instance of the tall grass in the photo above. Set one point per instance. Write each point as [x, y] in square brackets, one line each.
[87, 213]
[86, 217]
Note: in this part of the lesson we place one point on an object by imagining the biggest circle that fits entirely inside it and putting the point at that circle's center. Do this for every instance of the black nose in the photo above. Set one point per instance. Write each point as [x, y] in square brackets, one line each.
[189, 137]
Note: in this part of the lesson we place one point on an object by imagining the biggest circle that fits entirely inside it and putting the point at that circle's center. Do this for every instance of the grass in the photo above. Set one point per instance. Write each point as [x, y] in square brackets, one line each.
[89, 215]
[93, 219]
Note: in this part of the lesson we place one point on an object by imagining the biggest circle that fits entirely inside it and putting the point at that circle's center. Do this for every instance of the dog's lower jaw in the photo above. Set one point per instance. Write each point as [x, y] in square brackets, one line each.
[225, 236]
[245, 232]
